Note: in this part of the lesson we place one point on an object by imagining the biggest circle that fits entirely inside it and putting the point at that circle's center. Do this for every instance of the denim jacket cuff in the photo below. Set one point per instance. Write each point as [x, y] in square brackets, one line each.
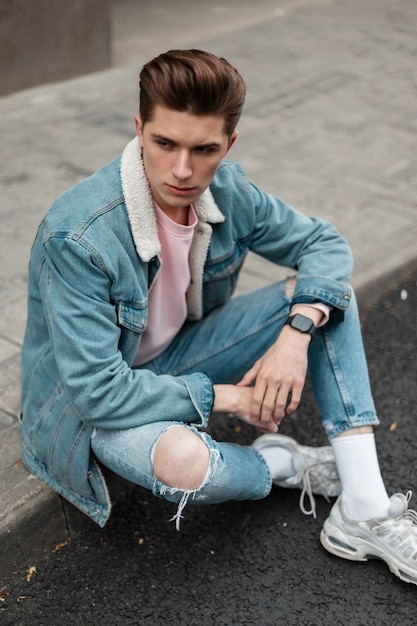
[334, 294]
[201, 393]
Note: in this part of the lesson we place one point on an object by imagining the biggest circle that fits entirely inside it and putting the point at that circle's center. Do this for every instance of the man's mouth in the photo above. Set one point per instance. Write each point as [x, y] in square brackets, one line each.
[180, 191]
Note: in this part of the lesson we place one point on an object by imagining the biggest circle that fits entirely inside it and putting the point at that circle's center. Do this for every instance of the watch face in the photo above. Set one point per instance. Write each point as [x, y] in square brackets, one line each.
[302, 323]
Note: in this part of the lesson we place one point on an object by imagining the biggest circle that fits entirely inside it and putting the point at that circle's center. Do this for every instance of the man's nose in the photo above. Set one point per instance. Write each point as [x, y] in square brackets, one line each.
[182, 166]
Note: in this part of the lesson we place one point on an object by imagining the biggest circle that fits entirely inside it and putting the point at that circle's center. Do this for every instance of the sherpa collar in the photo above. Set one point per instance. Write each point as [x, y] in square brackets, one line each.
[140, 207]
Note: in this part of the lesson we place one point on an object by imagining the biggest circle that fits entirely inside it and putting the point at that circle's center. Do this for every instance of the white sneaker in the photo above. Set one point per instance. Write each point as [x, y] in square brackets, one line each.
[392, 539]
[315, 469]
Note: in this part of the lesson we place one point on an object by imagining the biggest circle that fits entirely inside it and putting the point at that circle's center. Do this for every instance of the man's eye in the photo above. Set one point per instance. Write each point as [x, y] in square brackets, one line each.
[166, 145]
[205, 149]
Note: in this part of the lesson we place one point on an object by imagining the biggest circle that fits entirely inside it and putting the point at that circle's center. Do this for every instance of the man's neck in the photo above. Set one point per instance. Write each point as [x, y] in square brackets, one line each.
[177, 214]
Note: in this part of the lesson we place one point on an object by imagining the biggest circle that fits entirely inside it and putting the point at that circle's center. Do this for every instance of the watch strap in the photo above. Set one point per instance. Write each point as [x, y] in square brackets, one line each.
[302, 323]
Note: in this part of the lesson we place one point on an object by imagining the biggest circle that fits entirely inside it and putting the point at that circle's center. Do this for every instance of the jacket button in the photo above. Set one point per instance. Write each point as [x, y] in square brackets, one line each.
[346, 296]
[90, 474]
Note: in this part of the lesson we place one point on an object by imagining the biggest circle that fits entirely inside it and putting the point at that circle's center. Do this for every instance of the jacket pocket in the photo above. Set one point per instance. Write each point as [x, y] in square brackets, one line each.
[47, 424]
[132, 317]
[220, 278]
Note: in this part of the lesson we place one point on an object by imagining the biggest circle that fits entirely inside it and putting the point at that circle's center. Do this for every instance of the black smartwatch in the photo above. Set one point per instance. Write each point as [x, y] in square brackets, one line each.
[301, 323]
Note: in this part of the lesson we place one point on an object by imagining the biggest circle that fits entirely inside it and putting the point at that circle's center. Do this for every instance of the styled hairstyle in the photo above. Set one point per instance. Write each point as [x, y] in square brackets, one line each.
[192, 81]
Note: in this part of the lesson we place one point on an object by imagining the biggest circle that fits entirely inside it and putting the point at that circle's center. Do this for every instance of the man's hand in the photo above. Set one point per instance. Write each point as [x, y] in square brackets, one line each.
[279, 375]
[272, 387]
[238, 400]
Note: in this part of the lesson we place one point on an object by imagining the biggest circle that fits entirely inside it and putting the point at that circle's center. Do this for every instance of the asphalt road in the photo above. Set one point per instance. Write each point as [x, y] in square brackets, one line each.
[241, 563]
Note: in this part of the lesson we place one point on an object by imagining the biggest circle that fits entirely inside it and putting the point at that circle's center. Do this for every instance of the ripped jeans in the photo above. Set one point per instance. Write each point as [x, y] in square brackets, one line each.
[225, 345]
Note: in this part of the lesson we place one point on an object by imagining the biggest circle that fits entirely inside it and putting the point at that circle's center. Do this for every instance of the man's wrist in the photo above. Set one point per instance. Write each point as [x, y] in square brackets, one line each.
[302, 324]
[223, 399]
[315, 314]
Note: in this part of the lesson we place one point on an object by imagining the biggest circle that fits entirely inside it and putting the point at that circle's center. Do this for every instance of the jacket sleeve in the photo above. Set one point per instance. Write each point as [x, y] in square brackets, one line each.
[311, 246]
[103, 390]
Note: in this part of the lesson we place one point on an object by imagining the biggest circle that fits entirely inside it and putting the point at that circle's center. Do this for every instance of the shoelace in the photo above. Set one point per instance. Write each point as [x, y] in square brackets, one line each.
[307, 490]
[409, 517]
[397, 530]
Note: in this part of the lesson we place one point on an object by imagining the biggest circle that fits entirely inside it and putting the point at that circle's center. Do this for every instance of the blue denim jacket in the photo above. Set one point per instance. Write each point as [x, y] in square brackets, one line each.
[93, 261]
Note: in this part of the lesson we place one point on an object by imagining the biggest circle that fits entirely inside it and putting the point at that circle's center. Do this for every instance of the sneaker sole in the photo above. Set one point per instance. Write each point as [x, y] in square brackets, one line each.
[335, 542]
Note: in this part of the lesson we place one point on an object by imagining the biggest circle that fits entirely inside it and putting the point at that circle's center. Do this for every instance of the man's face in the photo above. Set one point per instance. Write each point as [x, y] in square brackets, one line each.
[181, 154]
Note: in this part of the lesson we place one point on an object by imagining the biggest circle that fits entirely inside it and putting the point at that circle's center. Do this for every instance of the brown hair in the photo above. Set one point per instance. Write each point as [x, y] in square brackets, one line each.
[194, 81]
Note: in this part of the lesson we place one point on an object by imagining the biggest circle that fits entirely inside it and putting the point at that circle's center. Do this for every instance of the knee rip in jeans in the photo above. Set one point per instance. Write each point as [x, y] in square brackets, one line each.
[169, 492]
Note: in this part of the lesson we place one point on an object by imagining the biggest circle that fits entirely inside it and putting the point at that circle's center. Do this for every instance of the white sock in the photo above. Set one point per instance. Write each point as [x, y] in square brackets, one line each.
[279, 461]
[363, 489]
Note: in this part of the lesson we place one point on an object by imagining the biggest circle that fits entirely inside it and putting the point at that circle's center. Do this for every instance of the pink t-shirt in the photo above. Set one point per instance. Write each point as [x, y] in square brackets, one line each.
[167, 307]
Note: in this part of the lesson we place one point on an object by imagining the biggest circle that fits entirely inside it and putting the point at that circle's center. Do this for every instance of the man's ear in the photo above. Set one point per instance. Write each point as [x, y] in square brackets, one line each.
[232, 139]
[139, 128]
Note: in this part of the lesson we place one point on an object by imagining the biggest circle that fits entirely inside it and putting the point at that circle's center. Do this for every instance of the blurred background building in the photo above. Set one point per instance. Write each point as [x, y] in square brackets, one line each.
[44, 41]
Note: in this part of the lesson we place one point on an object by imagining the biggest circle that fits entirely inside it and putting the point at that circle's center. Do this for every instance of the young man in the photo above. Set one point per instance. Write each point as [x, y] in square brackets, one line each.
[133, 339]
